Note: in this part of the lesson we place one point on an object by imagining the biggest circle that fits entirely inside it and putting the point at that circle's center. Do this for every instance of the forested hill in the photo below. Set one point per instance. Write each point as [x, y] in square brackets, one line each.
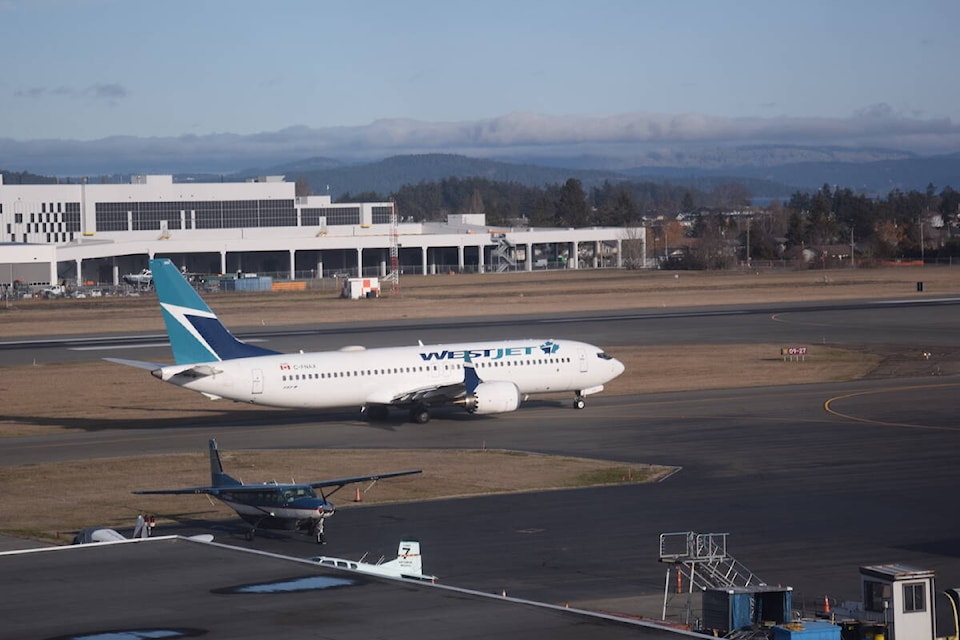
[327, 176]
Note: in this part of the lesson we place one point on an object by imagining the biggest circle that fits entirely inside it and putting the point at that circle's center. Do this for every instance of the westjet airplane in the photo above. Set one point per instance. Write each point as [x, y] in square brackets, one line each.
[482, 377]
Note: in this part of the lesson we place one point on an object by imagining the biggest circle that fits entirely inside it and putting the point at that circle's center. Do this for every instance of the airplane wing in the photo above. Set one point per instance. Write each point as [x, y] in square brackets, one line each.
[211, 490]
[341, 482]
[253, 488]
[431, 395]
[424, 395]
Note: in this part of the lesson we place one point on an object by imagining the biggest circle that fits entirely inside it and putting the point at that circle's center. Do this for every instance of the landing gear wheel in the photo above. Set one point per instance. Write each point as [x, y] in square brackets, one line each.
[249, 535]
[579, 403]
[378, 412]
[318, 532]
[420, 415]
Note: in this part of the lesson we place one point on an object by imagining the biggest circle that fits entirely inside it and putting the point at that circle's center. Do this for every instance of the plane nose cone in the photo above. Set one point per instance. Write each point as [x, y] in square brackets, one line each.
[618, 368]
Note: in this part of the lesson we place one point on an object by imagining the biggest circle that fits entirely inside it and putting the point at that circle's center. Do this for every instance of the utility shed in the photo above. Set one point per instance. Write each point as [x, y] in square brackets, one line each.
[734, 608]
[356, 288]
[901, 597]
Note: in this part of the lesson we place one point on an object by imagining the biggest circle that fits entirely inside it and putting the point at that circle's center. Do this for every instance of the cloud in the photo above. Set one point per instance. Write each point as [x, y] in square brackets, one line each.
[632, 139]
[109, 92]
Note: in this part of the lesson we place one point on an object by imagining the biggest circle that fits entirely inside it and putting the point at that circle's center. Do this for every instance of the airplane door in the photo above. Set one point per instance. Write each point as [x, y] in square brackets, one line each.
[257, 380]
[582, 355]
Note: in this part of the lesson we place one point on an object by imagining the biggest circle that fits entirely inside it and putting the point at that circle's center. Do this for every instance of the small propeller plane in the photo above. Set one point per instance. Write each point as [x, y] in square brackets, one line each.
[408, 563]
[272, 505]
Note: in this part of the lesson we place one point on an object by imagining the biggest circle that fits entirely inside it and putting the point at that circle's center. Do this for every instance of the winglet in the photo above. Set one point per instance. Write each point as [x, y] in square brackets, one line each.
[470, 378]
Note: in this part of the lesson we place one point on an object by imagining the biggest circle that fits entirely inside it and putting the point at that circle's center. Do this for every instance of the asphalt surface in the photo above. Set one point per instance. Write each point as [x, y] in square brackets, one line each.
[810, 482]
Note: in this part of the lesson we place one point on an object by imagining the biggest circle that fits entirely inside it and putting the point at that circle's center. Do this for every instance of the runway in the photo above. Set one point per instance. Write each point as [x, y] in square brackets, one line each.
[810, 481]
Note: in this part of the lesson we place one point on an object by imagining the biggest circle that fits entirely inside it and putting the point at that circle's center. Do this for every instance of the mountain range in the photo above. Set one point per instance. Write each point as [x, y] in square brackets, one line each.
[768, 172]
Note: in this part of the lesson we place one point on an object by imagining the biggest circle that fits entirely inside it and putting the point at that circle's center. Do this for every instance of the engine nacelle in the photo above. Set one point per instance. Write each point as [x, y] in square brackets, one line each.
[493, 397]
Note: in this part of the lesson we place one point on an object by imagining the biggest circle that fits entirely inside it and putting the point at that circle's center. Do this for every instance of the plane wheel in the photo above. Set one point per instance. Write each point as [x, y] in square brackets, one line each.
[579, 403]
[378, 412]
[420, 415]
[250, 534]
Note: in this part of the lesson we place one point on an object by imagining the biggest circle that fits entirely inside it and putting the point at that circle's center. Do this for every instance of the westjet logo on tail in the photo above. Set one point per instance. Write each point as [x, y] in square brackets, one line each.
[492, 353]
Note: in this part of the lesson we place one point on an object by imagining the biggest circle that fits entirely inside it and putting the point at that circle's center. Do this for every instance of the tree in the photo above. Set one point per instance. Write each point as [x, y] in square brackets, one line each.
[474, 203]
[632, 247]
[572, 209]
[542, 213]
[302, 187]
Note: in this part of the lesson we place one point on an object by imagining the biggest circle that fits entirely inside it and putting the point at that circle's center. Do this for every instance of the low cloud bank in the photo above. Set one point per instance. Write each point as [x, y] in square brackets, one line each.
[631, 139]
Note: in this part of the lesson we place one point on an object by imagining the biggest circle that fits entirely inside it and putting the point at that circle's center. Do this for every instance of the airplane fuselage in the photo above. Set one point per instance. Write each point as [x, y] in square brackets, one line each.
[271, 509]
[355, 376]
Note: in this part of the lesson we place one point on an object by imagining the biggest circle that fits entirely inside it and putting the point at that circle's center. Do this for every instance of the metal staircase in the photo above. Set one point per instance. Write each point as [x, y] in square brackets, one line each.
[703, 560]
[503, 253]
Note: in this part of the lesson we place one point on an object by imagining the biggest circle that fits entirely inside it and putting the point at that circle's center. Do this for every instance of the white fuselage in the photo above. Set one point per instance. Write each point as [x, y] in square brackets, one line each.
[355, 376]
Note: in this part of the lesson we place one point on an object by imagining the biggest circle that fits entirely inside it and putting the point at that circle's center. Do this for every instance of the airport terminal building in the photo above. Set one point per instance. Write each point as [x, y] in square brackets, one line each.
[77, 233]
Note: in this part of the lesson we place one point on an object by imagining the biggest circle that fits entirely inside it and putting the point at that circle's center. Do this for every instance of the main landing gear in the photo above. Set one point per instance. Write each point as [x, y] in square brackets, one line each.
[579, 402]
[420, 414]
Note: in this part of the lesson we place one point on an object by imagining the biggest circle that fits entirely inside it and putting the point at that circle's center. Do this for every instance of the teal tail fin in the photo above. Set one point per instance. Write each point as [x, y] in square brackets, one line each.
[217, 477]
[195, 332]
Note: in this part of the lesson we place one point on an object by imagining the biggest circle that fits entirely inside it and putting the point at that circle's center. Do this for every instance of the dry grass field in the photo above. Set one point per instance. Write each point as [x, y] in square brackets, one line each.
[103, 498]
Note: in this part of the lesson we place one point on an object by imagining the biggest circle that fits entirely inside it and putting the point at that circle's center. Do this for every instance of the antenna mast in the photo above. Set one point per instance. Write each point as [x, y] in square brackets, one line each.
[394, 275]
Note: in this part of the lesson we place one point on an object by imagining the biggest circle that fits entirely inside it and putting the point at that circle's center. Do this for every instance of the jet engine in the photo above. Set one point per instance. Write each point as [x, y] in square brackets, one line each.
[493, 397]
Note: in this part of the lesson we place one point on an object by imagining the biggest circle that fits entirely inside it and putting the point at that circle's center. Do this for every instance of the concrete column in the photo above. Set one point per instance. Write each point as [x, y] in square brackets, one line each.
[223, 261]
[359, 262]
[79, 271]
[293, 265]
[383, 268]
[319, 269]
[480, 263]
[460, 258]
[423, 260]
[574, 261]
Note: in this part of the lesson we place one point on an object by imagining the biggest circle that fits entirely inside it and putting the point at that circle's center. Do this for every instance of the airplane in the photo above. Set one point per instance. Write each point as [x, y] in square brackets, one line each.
[272, 505]
[143, 529]
[408, 563]
[142, 279]
[481, 377]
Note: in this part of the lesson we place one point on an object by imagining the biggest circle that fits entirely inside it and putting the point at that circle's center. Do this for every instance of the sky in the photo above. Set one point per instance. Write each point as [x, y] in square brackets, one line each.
[385, 73]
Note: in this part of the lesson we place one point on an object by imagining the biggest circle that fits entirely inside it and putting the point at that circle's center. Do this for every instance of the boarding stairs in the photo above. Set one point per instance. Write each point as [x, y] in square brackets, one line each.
[700, 562]
[703, 560]
[503, 253]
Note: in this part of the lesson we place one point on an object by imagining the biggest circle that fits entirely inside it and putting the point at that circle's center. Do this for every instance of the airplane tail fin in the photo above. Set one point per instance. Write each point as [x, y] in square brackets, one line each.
[196, 334]
[217, 477]
[408, 557]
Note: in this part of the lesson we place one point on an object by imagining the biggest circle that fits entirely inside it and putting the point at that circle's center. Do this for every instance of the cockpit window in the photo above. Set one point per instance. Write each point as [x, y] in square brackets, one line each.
[289, 495]
[603, 356]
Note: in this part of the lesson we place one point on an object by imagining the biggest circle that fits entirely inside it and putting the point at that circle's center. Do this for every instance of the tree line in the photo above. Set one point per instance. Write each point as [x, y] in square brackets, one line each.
[716, 228]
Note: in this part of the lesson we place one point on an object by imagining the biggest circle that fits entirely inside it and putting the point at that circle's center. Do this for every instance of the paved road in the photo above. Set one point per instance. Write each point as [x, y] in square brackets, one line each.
[810, 481]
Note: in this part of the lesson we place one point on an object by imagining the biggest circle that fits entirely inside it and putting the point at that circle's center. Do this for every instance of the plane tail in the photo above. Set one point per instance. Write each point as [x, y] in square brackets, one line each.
[196, 334]
[217, 477]
[408, 557]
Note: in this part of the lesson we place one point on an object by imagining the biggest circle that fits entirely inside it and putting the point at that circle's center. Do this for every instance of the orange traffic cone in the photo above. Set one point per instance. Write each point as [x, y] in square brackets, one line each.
[826, 604]
[357, 498]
